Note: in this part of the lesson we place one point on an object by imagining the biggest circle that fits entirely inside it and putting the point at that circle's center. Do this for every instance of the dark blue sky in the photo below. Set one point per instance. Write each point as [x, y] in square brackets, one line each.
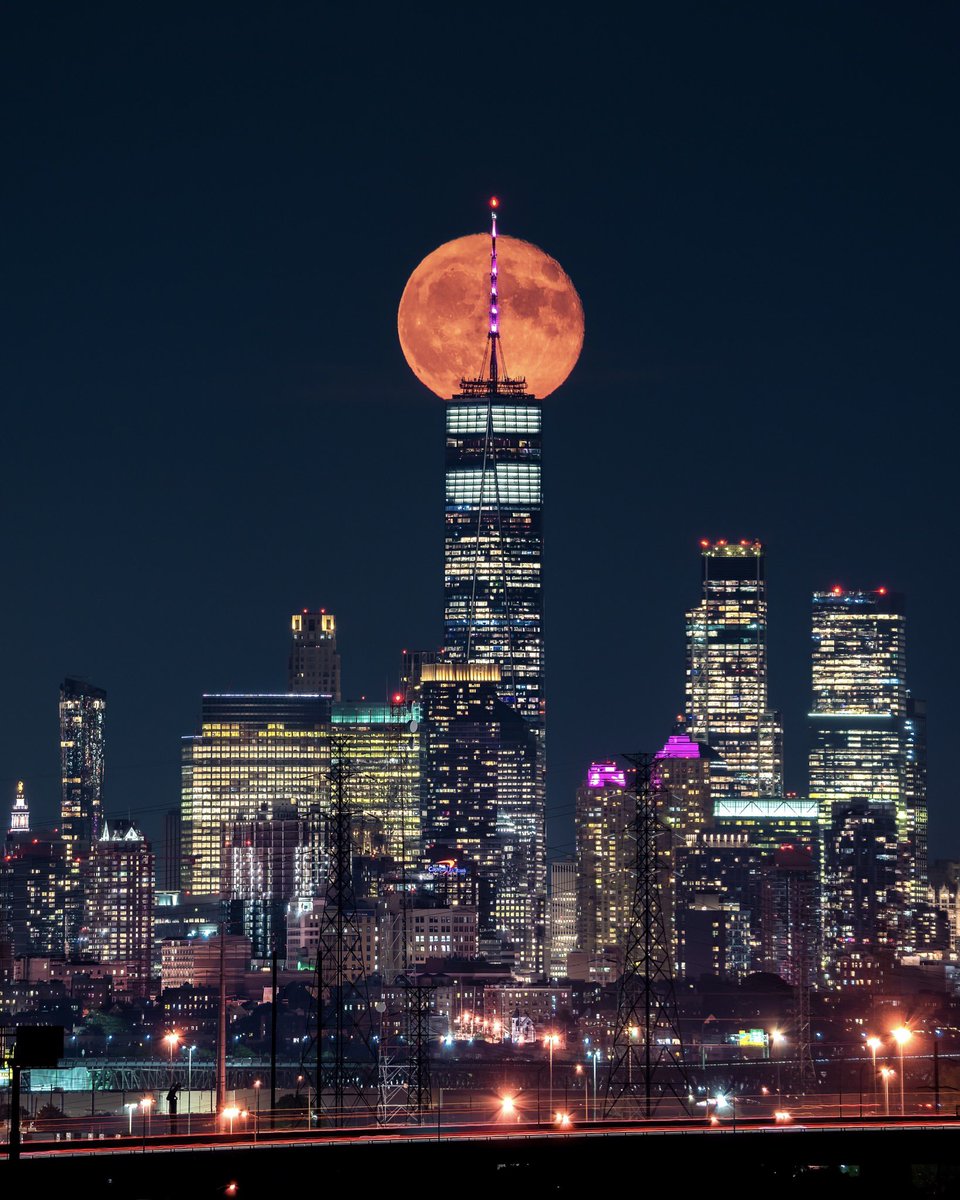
[208, 216]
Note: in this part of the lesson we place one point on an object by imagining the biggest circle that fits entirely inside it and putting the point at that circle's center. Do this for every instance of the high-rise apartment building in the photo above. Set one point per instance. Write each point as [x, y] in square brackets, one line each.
[726, 690]
[251, 751]
[606, 860]
[493, 554]
[314, 664]
[119, 901]
[790, 915]
[82, 709]
[868, 746]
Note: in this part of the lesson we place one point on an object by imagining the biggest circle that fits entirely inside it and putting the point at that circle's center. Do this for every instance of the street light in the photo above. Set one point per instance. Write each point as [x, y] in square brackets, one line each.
[902, 1035]
[230, 1114]
[885, 1073]
[145, 1110]
[550, 1041]
[131, 1109]
[578, 1070]
[189, 1050]
[172, 1040]
[256, 1120]
[874, 1045]
[507, 1107]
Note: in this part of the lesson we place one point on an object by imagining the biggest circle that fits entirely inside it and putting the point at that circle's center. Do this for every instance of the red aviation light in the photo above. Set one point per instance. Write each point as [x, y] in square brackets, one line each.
[398, 697]
[881, 591]
[836, 590]
[704, 543]
[494, 202]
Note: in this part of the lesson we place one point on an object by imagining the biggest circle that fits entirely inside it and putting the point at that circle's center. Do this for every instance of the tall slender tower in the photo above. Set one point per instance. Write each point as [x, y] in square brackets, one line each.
[493, 551]
[82, 710]
[868, 748]
[727, 672]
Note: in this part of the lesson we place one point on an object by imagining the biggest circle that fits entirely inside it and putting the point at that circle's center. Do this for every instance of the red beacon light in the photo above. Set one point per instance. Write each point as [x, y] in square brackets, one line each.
[881, 591]
[494, 202]
[836, 590]
[704, 543]
[398, 697]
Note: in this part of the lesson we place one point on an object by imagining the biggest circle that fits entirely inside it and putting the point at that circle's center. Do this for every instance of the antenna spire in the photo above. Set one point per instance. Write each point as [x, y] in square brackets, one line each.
[493, 333]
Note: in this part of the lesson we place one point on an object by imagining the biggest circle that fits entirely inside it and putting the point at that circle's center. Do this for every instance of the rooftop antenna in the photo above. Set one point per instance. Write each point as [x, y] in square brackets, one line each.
[493, 333]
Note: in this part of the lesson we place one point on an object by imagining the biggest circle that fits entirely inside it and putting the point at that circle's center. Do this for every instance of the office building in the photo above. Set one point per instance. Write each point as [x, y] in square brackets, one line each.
[82, 709]
[482, 800]
[314, 664]
[726, 689]
[378, 747]
[868, 745]
[562, 917]
[493, 590]
[268, 863]
[251, 752]
[790, 914]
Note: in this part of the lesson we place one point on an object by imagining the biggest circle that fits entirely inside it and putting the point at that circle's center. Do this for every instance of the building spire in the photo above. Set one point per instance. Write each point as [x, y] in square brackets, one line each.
[20, 816]
[493, 333]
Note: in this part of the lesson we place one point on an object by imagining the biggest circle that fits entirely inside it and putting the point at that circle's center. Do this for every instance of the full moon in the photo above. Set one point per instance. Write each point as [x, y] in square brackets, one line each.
[442, 320]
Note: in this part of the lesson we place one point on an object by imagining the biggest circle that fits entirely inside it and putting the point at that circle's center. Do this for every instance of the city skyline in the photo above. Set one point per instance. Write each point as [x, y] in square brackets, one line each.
[781, 308]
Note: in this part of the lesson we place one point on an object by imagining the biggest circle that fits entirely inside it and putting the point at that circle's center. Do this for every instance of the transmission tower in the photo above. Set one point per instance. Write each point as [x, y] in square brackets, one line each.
[340, 975]
[646, 1060]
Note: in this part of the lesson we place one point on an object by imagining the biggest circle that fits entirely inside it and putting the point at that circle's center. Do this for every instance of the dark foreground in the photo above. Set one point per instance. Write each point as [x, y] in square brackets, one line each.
[879, 1161]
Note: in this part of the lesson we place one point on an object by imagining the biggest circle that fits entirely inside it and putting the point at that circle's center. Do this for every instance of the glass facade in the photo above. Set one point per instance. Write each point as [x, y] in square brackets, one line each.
[379, 744]
[482, 798]
[119, 902]
[606, 861]
[868, 745]
[726, 692]
[252, 752]
[82, 709]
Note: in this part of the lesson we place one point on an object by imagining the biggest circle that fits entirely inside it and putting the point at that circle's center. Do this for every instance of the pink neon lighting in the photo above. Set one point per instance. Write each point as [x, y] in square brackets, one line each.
[605, 774]
[680, 746]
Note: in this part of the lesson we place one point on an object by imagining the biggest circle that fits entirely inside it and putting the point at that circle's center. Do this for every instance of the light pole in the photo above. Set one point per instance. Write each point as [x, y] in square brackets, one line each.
[256, 1119]
[885, 1073]
[550, 1041]
[874, 1045]
[578, 1070]
[776, 1041]
[131, 1109]
[231, 1115]
[145, 1110]
[189, 1050]
[901, 1036]
[594, 1054]
[633, 1033]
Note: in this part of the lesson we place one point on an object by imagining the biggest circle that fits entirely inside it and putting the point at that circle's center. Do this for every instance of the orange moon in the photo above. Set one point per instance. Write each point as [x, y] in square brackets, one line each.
[442, 320]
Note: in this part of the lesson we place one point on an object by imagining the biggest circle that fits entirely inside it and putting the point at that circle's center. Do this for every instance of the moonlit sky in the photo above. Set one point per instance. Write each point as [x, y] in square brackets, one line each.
[209, 214]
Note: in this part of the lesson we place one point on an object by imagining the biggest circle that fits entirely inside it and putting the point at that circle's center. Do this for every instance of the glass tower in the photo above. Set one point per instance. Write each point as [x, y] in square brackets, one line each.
[868, 745]
[493, 586]
[82, 709]
[726, 691]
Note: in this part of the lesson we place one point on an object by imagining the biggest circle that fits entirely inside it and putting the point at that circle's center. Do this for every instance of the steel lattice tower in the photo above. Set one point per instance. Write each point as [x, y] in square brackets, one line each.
[340, 973]
[646, 1060]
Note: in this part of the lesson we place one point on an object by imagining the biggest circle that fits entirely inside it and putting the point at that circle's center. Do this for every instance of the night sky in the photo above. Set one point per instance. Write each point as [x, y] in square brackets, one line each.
[208, 215]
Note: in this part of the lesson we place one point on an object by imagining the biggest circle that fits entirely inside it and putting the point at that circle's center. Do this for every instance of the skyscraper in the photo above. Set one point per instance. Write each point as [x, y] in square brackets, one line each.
[20, 816]
[868, 746]
[482, 798]
[314, 664]
[726, 692]
[82, 710]
[493, 551]
[606, 875]
[119, 901]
